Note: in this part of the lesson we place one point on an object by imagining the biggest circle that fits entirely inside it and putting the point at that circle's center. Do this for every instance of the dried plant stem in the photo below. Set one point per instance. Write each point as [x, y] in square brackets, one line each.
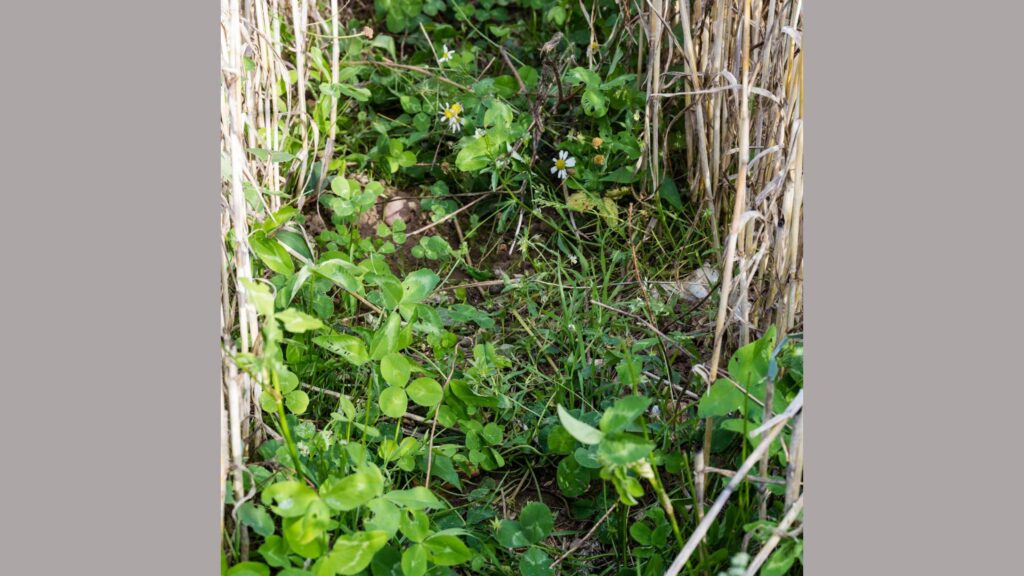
[773, 541]
[755, 456]
[586, 537]
[446, 218]
[756, 479]
[769, 397]
[418, 69]
[299, 19]
[698, 111]
[234, 416]
[333, 394]
[333, 130]
[646, 324]
[653, 107]
[238, 384]
[433, 424]
[795, 469]
[737, 217]
[225, 456]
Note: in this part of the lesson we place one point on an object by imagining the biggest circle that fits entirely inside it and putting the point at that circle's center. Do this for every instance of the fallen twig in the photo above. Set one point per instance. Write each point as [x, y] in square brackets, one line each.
[648, 325]
[433, 425]
[389, 64]
[446, 218]
[586, 537]
[332, 393]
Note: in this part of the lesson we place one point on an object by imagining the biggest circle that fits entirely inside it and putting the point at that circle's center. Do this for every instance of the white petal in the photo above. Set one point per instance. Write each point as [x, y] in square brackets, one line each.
[563, 154]
[553, 169]
[562, 174]
[570, 162]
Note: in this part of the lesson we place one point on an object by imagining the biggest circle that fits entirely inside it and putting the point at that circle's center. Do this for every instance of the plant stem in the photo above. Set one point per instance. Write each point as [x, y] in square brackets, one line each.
[285, 430]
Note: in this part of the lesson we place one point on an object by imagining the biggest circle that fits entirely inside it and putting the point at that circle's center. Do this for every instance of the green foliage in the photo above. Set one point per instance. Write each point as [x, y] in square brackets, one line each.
[413, 411]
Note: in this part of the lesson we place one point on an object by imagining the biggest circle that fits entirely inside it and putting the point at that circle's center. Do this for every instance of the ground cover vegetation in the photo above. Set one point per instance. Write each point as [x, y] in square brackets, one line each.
[512, 287]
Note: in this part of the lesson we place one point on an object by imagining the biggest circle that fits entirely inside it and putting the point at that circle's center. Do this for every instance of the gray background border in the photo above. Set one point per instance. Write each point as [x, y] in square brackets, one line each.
[111, 331]
[913, 287]
[110, 282]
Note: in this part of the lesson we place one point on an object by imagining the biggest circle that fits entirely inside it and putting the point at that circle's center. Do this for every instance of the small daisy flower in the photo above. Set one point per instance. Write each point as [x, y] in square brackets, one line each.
[562, 163]
[447, 113]
[599, 159]
[450, 114]
[596, 142]
[456, 123]
[446, 55]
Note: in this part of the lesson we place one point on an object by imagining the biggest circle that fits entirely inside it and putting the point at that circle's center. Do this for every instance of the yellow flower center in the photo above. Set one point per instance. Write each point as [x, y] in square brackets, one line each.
[456, 108]
[560, 164]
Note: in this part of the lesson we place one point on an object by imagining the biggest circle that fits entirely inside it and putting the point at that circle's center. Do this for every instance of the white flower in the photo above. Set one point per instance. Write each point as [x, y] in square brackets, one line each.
[562, 163]
[479, 132]
[452, 114]
[457, 123]
[446, 55]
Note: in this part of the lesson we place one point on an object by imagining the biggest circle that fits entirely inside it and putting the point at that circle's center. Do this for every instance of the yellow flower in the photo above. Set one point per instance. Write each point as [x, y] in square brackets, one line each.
[596, 142]
[599, 159]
